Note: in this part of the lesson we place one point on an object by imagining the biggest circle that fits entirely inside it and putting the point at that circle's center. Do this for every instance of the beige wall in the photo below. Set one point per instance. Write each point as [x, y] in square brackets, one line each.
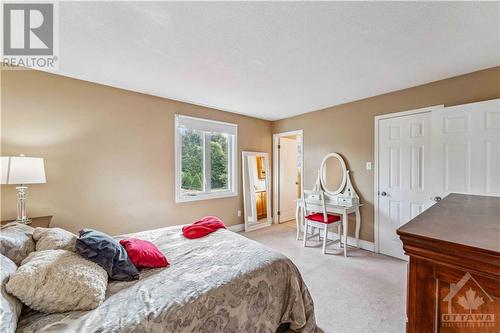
[109, 153]
[348, 129]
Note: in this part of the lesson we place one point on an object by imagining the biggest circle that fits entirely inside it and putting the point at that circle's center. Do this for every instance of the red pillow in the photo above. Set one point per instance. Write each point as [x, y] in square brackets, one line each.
[202, 227]
[144, 254]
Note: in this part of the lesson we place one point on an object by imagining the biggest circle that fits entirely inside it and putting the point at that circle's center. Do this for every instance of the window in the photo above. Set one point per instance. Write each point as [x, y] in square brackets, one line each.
[205, 159]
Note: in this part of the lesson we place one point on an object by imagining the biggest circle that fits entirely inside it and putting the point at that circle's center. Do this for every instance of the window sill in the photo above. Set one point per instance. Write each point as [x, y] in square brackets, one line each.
[209, 196]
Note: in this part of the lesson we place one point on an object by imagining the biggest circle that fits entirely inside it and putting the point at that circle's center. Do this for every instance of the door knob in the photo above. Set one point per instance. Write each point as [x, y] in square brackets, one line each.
[437, 199]
[383, 194]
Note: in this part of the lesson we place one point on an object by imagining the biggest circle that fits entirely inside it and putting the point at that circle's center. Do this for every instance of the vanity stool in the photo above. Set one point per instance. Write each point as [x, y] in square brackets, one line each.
[321, 220]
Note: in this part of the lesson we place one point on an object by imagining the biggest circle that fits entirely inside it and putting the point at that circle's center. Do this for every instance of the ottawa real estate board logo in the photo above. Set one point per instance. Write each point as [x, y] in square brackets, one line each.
[467, 306]
[30, 35]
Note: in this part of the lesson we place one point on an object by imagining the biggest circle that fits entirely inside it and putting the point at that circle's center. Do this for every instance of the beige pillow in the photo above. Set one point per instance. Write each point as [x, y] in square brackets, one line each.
[16, 241]
[10, 307]
[58, 281]
[54, 239]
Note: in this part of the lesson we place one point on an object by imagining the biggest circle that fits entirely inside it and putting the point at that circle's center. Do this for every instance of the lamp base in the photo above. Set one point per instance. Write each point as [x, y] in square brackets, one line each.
[23, 221]
[21, 204]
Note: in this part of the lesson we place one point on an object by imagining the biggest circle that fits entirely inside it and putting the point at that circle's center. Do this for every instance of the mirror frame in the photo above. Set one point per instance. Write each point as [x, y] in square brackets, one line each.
[248, 225]
[322, 173]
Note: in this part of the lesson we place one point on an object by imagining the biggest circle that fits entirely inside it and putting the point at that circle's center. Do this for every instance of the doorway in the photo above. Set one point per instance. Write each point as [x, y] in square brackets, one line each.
[287, 171]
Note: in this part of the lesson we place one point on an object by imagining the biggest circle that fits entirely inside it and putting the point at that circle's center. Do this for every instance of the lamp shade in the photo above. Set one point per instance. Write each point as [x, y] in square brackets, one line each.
[22, 170]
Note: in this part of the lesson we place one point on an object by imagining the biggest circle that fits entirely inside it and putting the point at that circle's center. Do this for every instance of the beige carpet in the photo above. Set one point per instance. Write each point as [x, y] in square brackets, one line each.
[359, 294]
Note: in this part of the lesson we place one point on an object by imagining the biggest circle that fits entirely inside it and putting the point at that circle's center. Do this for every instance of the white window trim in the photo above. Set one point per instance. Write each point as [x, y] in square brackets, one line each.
[233, 175]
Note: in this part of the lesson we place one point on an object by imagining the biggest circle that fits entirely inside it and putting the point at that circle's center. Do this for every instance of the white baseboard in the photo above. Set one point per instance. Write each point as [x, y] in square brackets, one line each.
[236, 227]
[365, 245]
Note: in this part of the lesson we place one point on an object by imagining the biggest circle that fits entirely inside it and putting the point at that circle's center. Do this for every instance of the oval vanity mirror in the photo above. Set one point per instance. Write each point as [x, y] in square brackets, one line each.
[333, 173]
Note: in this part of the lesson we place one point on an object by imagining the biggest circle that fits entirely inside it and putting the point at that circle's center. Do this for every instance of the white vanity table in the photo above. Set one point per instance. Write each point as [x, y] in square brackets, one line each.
[340, 196]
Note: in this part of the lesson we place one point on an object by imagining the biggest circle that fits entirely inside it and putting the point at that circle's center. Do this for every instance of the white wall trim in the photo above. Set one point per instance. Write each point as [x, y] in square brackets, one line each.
[365, 245]
[236, 227]
[408, 112]
[234, 176]
[275, 157]
[376, 162]
[351, 241]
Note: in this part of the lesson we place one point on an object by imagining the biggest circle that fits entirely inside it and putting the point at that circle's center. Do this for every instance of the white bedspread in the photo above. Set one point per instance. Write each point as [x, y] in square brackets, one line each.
[223, 282]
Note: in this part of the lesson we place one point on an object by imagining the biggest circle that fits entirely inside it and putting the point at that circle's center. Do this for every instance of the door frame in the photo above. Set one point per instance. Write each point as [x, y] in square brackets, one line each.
[276, 184]
[376, 163]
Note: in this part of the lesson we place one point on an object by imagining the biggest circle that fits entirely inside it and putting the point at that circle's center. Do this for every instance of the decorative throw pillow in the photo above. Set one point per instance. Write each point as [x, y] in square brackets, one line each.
[54, 239]
[143, 254]
[108, 253]
[58, 281]
[202, 227]
[16, 241]
[10, 307]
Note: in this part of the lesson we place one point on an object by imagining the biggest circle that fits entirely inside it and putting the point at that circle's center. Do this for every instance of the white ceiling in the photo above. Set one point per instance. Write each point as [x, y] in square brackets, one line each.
[274, 60]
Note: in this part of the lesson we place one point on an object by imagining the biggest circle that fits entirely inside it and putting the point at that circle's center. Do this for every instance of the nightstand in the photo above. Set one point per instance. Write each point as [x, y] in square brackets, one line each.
[39, 221]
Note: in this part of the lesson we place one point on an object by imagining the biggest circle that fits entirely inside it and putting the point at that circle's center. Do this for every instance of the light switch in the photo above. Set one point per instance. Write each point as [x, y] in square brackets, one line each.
[368, 165]
[239, 213]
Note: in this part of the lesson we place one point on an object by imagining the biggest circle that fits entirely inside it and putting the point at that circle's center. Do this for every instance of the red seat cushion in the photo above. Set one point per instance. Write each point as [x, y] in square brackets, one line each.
[144, 254]
[318, 217]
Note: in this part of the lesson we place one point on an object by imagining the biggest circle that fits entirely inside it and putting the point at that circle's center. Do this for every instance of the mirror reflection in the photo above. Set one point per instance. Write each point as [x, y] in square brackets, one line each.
[256, 190]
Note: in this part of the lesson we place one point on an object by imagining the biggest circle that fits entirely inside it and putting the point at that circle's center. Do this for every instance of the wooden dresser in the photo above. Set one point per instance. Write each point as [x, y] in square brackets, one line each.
[454, 267]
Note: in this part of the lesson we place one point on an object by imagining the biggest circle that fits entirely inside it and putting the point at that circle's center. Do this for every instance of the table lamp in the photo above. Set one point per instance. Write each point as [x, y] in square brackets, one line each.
[21, 170]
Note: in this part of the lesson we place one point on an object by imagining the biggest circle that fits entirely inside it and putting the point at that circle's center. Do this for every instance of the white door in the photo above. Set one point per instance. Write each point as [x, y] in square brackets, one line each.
[424, 157]
[288, 179]
[466, 149]
[404, 176]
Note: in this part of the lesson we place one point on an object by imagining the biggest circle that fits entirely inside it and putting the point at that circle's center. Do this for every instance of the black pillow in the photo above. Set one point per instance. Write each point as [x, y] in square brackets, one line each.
[108, 253]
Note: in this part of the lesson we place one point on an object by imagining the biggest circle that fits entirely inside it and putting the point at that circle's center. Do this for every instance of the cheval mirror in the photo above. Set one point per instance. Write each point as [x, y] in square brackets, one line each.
[256, 190]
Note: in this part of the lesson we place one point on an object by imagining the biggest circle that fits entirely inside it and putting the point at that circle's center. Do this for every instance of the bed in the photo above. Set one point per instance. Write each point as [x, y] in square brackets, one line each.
[223, 282]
